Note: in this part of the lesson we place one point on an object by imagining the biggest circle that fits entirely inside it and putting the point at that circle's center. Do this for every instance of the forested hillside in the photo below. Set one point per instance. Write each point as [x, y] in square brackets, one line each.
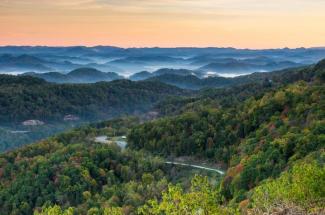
[257, 139]
[269, 137]
[23, 98]
[84, 174]
[73, 170]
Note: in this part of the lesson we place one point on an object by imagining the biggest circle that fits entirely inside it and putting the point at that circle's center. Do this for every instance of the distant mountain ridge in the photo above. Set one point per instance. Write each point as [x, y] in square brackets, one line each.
[141, 76]
[247, 65]
[191, 81]
[81, 75]
[282, 76]
[182, 78]
[128, 61]
[146, 58]
[12, 63]
[164, 71]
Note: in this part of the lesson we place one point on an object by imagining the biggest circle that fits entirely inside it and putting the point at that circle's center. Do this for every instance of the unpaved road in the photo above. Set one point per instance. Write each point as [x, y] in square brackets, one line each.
[196, 166]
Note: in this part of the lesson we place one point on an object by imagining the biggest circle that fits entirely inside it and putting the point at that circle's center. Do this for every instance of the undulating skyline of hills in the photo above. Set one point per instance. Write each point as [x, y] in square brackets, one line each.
[227, 62]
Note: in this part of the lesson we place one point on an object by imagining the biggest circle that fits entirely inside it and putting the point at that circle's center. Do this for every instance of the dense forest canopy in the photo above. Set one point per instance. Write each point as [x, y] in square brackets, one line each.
[23, 98]
[269, 131]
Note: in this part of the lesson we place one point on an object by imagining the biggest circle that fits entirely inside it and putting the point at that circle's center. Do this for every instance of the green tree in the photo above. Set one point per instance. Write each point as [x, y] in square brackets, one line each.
[202, 199]
[303, 186]
[55, 210]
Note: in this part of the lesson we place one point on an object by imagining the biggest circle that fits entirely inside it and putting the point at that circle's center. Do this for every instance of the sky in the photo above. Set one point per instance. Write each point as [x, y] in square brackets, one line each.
[164, 23]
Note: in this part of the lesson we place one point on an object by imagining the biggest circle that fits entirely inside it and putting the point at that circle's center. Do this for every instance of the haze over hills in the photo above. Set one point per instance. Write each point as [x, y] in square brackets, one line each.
[241, 67]
[208, 65]
[126, 62]
[25, 62]
[165, 71]
[182, 78]
[81, 75]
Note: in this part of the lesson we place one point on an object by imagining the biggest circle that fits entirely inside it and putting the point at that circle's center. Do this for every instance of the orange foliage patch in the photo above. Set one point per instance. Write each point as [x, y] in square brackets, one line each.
[243, 204]
[239, 168]
[271, 127]
[235, 170]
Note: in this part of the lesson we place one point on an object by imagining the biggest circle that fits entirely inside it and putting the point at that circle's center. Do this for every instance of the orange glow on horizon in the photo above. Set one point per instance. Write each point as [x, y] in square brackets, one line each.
[163, 23]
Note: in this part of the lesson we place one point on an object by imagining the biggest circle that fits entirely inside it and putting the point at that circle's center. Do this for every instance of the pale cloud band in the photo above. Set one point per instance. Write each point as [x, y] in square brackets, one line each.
[178, 5]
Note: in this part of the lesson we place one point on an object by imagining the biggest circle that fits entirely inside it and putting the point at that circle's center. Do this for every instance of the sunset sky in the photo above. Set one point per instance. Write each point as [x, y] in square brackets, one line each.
[164, 23]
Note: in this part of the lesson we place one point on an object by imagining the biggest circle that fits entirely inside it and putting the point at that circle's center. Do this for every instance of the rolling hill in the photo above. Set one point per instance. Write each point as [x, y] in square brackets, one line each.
[81, 75]
[164, 71]
[11, 63]
[192, 82]
[37, 99]
[248, 65]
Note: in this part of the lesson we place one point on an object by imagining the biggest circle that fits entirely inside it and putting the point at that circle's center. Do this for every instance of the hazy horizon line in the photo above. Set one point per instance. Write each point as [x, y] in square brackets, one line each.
[164, 47]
